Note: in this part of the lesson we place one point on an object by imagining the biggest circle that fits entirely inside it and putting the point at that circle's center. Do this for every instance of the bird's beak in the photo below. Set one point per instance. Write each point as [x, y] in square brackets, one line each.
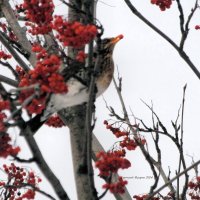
[116, 39]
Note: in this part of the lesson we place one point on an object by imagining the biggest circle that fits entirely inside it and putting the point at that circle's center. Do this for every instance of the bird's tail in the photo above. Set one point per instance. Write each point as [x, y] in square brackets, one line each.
[36, 122]
[33, 124]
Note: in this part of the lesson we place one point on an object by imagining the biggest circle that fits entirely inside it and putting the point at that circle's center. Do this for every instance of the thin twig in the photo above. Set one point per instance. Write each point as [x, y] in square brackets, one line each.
[181, 145]
[23, 185]
[8, 65]
[30, 160]
[165, 132]
[151, 161]
[44, 167]
[88, 7]
[16, 28]
[8, 81]
[181, 16]
[13, 52]
[186, 29]
[182, 54]
[89, 112]
[172, 180]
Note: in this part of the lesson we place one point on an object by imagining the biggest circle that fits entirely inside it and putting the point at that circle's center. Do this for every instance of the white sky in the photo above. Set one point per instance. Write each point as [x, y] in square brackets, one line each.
[151, 70]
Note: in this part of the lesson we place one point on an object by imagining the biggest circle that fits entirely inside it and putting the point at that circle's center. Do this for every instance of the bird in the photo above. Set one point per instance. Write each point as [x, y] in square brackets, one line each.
[78, 92]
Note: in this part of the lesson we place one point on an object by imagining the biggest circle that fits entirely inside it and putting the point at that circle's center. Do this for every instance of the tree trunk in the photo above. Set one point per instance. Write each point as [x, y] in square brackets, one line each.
[75, 119]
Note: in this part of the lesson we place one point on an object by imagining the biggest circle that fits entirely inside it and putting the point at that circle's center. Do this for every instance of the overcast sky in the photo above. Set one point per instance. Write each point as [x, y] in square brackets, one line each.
[152, 71]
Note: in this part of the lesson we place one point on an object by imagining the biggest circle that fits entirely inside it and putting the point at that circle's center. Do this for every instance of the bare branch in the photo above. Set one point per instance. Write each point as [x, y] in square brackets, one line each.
[182, 159]
[173, 179]
[24, 185]
[182, 54]
[13, 52]
[40, 161]
[21, 160]
[181, 16]
[6, 64]
[42, 164]
[186, 29]
[151, 161]
[8, 81]
[21, 35]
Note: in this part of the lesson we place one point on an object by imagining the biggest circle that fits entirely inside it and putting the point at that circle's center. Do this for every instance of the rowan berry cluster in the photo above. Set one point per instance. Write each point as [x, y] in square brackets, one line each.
[4, 27]
[143, 197]
[6, 149]
[194, 188]
[54, 121]
[117, 187]
[197, 27]
[3, 116]
[4, 55]
[20, 72]
[81, 56]
[73, 34]
[4, 105]
[127, 142]
[39, 13]
[116, 131]
[19, 8]
[46, 74]
[17, 178]
[109, 163]
[163, 4]
[169, 196]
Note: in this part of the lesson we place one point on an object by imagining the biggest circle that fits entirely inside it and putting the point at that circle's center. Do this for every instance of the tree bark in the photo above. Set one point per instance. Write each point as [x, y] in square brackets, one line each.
[76, 121]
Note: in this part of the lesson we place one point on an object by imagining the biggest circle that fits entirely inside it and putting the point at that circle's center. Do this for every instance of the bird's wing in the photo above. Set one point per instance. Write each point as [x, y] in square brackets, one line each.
[77, 94]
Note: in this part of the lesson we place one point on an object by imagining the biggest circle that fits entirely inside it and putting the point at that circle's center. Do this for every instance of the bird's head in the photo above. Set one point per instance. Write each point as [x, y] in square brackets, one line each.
[108, 44]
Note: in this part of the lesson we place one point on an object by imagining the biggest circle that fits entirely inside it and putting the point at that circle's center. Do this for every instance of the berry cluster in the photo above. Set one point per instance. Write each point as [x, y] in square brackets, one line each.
[143, 197]
[169, 196]
[4, 27]
[73, 34]
[116, 131]
[20, 72]
[54, 121]
[111, 162]
[46, 74]
[81, 56]
[163, 4]
[2, 118]
[117, 187]
[4, 55]
[39, 13]
[194, 188]
[4, 105]
[19, 177]
[19, 8]
[127, 142]
[6, 149]
[197, 27]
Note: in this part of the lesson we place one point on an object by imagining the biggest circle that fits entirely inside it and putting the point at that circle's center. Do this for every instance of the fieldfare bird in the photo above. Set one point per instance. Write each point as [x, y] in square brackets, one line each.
[77, 90]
